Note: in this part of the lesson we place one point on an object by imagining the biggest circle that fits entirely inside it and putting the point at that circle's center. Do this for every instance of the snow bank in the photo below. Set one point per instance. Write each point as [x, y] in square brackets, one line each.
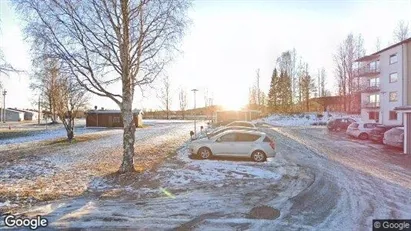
[304, 119]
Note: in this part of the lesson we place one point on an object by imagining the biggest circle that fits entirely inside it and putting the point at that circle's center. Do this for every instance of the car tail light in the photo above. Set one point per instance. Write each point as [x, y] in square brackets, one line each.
[272, 144]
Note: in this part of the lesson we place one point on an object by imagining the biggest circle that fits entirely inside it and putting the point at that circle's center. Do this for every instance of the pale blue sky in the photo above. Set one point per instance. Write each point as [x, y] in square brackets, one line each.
[229, 40]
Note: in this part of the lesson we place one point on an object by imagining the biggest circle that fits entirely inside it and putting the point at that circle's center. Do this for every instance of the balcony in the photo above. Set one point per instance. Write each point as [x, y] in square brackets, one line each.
[370, 105]
[375, 87]
[366, 71]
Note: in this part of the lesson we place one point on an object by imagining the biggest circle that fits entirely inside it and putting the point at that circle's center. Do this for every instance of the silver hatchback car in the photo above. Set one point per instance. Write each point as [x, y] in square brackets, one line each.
[235, 143]
[394, 137]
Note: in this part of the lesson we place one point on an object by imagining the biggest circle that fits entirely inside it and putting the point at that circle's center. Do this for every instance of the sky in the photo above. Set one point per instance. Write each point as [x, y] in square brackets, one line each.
[227, 41]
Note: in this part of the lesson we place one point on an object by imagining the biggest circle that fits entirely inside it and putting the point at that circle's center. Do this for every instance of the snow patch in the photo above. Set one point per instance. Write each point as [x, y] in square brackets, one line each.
[196, 171]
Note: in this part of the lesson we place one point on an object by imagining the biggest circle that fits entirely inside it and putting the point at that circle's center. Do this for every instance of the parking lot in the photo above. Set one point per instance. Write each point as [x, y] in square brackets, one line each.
[318, 179]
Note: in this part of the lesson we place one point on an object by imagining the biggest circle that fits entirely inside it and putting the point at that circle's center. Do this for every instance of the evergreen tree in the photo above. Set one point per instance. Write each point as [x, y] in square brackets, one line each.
[272, 93]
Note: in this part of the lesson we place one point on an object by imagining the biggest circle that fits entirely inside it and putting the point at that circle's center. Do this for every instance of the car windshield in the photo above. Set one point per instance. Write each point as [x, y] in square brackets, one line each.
[205, 115]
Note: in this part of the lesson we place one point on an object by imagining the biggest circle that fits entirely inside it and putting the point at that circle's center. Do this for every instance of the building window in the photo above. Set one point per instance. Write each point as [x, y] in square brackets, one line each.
[393, 77]
[374, 100]
[373, 115]
[393, 96]
[374, 66]
[374, 82]
[393, 115]
[393, 59]
[116, 119]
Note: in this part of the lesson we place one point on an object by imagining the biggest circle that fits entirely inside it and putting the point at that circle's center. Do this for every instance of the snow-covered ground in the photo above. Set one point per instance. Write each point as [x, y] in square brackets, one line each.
[318, 181]
[36, 133]
[304, 119]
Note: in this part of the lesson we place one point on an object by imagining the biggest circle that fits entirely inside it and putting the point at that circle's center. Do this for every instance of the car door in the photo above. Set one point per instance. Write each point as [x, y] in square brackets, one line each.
[224, 145]
[368, 127]
[245, 143]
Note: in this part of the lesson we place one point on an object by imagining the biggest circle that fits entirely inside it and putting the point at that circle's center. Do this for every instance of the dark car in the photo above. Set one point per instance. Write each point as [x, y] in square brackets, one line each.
[377, 133]
[339, 124]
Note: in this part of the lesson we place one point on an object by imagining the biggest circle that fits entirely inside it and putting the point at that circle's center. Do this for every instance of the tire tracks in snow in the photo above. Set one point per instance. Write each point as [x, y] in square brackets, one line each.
[360, 196]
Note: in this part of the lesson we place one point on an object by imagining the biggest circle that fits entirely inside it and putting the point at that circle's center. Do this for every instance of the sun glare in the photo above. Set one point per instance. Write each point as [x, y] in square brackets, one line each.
[233, 105]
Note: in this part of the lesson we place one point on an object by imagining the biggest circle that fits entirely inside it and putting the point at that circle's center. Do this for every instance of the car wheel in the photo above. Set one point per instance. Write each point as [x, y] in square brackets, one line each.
[204, 153]
[258, 156]
[363, 136]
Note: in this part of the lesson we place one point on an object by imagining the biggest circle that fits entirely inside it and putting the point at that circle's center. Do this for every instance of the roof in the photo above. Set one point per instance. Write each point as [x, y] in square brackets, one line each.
[136, 111]
[376, 54]
[14, 110]
[20, 110]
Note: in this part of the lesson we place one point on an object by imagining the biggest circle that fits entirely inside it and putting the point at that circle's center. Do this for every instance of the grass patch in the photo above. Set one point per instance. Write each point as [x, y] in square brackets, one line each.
[77, 139]
[8, 134]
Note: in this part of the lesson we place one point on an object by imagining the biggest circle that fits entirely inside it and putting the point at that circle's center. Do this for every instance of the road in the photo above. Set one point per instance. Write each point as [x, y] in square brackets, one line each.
[317, 181]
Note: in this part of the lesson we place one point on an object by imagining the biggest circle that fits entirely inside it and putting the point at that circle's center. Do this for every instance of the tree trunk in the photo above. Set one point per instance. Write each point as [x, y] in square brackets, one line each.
[70, 135]
[128, 138]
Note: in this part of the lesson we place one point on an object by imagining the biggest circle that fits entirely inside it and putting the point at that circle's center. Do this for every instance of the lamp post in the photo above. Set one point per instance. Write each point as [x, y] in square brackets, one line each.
[4, 105]
[195, 119]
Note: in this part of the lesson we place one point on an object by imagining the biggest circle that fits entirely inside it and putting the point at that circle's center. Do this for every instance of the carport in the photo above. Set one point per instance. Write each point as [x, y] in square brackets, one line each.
[407, 127]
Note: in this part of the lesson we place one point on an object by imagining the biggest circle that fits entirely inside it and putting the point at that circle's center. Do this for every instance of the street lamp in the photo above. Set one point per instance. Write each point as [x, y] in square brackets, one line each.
[195, 125]
[4, 105]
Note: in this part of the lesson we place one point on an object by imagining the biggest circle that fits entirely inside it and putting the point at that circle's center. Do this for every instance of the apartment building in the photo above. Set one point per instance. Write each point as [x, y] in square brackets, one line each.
[386, 75]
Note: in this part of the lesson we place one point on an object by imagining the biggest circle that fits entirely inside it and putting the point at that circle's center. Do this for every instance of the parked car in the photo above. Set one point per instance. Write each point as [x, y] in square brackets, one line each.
[360, 130]
[235, 143]
[377, 133]
[241, 123]
[223, 129]
[339, 124]
[394, 137]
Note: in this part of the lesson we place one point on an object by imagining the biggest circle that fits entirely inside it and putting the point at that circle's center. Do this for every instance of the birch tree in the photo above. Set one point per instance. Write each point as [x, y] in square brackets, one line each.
[377, 44]
[44, 82]
[349, 50]
[183, 102]
[402, 31]
[123, 44]
[71, 98]
[165, 95]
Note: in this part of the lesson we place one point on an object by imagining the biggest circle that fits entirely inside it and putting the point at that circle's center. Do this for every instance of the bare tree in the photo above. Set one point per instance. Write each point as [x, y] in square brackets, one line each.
[205, 94]
[378, 44]
[71, 97]
[322, 91]
[165, 95]
[5, 67]
[348, 51]
[401, 32]
[104, 42]
[44, 82]
[183, 102]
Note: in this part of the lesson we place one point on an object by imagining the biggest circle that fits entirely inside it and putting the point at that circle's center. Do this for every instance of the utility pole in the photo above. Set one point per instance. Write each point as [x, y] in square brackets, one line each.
[4, 105]
[195, 119]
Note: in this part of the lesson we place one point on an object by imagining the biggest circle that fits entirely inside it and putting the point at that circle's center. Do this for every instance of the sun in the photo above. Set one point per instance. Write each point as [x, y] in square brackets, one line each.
[233, 105]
